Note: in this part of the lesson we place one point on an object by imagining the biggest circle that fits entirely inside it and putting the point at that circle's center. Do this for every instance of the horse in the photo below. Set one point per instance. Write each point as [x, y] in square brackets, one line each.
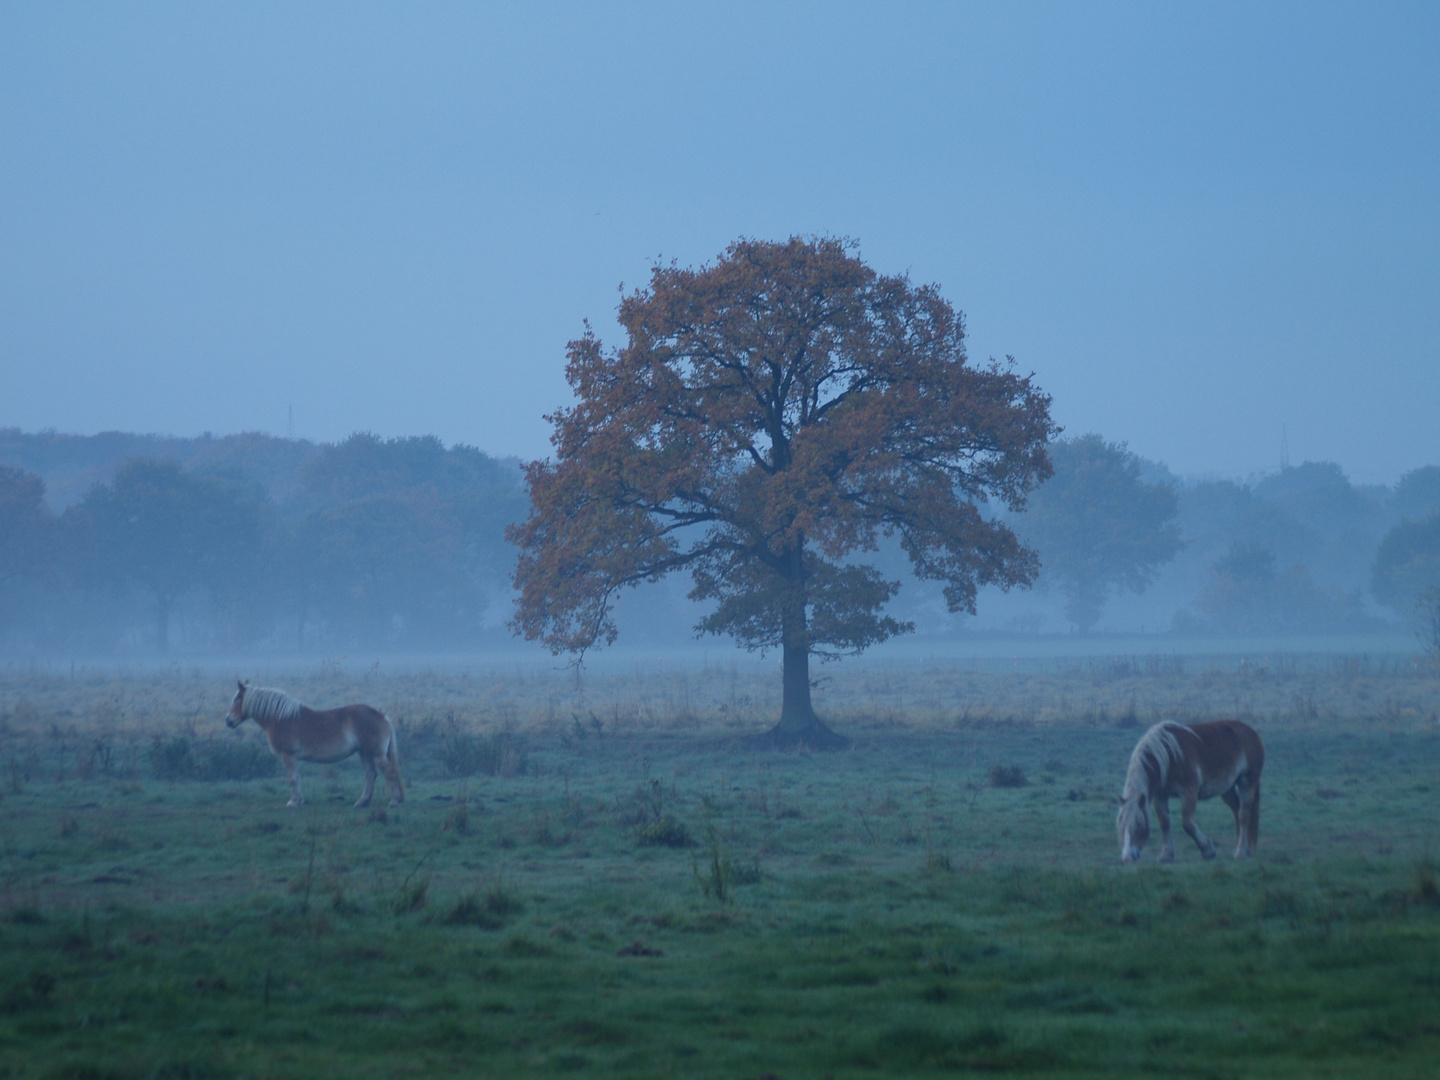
[298, 733]
[1193, 762]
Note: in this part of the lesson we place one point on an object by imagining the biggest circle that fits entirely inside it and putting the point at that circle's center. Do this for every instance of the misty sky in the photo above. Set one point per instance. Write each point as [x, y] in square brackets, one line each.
[1195, 223]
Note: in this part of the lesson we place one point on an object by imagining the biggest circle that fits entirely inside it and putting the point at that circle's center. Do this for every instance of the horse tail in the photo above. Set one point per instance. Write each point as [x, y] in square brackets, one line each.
[393, 750]
[1252, 825]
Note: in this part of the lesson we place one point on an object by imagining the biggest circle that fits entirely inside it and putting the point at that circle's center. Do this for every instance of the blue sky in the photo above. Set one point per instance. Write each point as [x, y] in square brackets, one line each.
[1197, 224]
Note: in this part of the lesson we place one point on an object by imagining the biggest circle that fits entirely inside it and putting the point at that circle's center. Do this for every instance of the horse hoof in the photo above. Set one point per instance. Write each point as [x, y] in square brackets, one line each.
[1208, 854]
[1167, 856]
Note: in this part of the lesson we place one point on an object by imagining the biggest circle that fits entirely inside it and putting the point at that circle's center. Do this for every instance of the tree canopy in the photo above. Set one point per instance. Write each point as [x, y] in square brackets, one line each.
[167, 532]
[25, 525]
[1099, 526]
[769, 417]
[1407, 563]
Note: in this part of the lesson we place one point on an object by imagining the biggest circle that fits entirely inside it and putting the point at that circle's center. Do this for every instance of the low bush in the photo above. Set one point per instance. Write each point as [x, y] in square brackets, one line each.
[182, 757]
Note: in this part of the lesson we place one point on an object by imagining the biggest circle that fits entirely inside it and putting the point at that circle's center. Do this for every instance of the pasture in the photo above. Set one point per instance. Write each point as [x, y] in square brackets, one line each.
[594, 875]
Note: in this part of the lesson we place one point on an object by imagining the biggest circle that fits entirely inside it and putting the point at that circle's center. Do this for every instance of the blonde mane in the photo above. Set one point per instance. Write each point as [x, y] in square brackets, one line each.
[1160, 746]
[267, 704]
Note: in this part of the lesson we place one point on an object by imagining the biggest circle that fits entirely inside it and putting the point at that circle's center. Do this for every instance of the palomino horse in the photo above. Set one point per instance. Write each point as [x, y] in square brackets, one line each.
[1194, 761]
[298, 733]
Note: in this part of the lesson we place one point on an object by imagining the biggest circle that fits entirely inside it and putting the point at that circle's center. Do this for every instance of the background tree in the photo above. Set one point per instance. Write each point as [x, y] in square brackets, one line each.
[1099, 526]
[26, 524]
[28, 538]
[166, 532]
[768, 417]
[400, 540]
[1407, 564]
[1417, 493]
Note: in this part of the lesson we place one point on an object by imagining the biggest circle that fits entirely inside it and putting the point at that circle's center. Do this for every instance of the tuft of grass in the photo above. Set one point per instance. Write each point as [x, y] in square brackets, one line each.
[664, 831]
[465, 753]
[1427, 888]
[1007, 776]
[489, 910]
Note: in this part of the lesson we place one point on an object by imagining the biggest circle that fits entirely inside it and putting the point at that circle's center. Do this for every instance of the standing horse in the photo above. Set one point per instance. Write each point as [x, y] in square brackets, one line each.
[1195, 761]
[298, 733]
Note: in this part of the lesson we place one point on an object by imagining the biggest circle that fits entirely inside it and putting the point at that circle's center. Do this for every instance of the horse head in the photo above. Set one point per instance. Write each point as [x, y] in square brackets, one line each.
[1132, 826]
[236, 716]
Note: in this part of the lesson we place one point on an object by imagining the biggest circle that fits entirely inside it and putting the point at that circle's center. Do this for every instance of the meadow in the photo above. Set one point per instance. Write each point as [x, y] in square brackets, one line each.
[597, 874]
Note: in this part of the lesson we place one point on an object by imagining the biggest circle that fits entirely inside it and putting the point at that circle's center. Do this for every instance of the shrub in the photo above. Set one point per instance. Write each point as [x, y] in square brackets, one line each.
[172, 758]
[182, 757]
[234, 759]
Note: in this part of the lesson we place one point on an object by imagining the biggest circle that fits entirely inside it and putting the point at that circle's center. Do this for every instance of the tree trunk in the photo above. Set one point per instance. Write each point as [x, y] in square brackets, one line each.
[799, 726]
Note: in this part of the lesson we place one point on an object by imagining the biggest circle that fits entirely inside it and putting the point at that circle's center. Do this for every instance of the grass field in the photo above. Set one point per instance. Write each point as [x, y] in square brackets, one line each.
[596, 876]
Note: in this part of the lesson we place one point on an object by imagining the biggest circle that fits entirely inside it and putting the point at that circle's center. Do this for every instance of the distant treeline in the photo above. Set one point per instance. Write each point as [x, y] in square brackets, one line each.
[249, 542]
[132, 544]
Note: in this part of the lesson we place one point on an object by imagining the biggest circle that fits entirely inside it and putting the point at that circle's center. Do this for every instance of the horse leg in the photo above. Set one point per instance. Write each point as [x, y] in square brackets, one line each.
[1162, 815]
[369, 763]
[292, 770]
[392, 780]
[1232, 800]
[1247, 816]
[1187, 819]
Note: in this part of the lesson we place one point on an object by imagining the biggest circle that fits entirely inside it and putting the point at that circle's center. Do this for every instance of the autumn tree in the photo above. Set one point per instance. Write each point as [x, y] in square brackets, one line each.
[1099, 526]
[769, 417]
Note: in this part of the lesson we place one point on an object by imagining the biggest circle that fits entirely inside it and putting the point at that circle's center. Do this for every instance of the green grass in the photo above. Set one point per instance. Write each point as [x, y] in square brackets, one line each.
[884, 911]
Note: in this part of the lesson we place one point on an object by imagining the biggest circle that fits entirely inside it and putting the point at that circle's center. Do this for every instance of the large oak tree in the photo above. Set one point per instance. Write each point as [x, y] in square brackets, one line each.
[769, 417]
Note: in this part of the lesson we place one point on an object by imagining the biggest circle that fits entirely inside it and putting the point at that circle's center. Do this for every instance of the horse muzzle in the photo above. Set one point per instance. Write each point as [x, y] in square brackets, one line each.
[1130, 854]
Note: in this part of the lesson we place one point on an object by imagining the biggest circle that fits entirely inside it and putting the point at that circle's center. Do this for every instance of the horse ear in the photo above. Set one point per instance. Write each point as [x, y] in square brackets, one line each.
[240, 684]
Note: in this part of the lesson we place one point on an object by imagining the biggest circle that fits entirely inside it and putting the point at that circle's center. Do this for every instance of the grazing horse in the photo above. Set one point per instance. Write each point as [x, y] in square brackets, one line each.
[298, 733]
[1194, 761]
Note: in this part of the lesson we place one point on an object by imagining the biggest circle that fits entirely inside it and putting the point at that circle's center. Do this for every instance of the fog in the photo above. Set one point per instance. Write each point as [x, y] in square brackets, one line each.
[135, 549]
[238, 235]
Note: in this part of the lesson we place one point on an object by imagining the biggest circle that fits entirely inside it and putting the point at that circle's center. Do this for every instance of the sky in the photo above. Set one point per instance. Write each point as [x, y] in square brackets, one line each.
[1203, 227]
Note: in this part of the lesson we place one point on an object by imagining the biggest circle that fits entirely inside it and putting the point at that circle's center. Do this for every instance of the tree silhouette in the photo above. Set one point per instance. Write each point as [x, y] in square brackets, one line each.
[1407, 563]
[26, 524]
[768, 417]
[1099, 526]
[168, 532]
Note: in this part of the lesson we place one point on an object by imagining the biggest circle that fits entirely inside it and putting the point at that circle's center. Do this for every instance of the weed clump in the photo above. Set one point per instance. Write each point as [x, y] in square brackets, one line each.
[464, 753]
[664, 831]
[1427, 888]
[1007, 776]
[182, 757]
[32, 993]
[654, 827]
[489, 911]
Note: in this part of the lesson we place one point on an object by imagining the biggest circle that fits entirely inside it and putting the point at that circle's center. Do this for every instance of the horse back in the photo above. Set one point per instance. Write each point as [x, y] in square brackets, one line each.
[1228, 745]
[361, 727]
